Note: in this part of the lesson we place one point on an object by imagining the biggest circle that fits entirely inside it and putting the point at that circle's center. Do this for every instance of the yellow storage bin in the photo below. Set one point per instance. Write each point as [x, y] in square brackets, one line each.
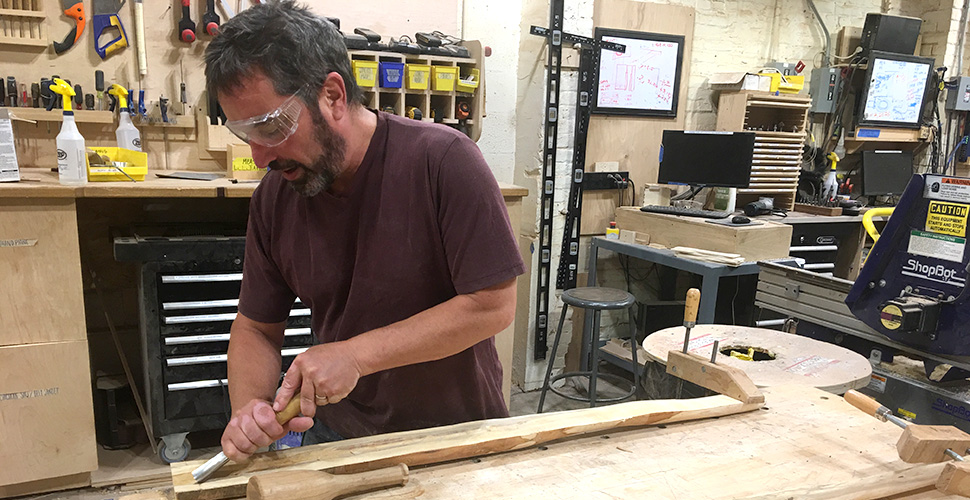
[468, 82]
[365, 72]
[418, 76]
[136, 165]
[791, 84]
[443, 78]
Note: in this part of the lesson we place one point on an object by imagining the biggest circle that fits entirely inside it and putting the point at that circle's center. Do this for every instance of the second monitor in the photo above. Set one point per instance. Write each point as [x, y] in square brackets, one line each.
[708, 159]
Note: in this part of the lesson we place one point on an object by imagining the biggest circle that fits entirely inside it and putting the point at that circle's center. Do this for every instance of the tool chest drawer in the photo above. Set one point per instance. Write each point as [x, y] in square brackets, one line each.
[188, 299]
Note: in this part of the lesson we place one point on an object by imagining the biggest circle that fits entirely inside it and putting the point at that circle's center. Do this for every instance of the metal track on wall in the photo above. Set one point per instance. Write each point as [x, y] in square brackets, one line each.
[556, 37]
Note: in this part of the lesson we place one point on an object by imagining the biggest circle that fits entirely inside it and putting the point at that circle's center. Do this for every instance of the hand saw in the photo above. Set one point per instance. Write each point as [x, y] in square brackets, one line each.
[75, 10]
[106, 17]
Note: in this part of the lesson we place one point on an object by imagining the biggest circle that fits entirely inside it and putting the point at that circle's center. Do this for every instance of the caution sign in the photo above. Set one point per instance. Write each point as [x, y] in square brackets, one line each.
[947, 218]
[242, 163]
[891, 317]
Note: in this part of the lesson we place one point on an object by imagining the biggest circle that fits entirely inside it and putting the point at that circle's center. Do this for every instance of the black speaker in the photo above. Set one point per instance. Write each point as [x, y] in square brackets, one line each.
[890, 34]
[886, 172]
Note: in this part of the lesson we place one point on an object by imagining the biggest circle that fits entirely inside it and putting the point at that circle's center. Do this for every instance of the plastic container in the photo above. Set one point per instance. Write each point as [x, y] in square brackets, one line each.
[126, 134]
[71, 156]
[133, 163]
[443, 78]
[365, 72]
[392, 75]
[418, 76]
[468, 82]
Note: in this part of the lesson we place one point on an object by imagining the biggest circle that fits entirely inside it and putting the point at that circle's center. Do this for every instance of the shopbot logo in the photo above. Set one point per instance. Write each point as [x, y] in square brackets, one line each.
[938, 273]
[61, 155]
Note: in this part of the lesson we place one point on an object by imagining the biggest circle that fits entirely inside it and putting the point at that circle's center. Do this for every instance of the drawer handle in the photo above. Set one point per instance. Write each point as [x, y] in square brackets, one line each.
[202, 278]
[224, 337]
[221, 358]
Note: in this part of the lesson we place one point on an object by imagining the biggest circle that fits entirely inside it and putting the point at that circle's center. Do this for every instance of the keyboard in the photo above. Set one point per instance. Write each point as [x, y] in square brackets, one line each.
[686, 212]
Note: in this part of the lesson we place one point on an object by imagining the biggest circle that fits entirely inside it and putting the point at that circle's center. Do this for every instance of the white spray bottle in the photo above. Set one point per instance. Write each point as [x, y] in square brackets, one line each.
[72, 168]
[126, 134]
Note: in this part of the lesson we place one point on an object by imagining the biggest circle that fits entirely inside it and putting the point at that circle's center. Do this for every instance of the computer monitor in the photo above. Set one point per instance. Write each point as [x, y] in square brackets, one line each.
[895, 90]
[709, 159]
[886, 172]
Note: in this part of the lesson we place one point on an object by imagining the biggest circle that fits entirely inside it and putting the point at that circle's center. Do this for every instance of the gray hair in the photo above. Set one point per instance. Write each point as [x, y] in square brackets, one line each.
[289, 44]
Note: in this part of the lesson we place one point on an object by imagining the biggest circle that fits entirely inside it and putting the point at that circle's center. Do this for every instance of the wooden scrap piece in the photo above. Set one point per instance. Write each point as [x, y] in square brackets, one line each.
[955, 479]
[439, 444]
[722, 379]
[927, 443]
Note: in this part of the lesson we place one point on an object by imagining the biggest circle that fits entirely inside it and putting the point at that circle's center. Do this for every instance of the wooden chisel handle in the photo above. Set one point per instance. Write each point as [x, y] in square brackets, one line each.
[863, 402]
[292, 409]
[690, 310]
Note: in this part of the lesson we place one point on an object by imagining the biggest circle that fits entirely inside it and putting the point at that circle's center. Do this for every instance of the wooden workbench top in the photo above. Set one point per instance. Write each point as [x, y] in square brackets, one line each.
[803, 441]
[40, 183]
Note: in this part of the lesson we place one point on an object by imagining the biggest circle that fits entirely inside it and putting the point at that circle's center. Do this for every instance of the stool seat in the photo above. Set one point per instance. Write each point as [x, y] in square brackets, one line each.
[595, 297]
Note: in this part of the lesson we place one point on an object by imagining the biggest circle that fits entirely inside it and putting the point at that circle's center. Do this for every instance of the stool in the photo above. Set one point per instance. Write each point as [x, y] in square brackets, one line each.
[596, 299]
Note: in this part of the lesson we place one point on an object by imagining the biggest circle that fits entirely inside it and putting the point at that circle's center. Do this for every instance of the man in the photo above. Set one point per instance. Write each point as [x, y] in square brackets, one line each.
[392, 231]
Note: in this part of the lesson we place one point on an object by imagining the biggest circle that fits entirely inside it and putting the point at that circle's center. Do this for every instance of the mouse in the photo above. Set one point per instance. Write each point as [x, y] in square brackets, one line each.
[740, 219]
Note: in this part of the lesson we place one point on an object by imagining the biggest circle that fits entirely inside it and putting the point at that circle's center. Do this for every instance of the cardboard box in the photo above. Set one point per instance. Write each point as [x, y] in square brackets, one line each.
[770, 240]
[740, 81]
[46, 412]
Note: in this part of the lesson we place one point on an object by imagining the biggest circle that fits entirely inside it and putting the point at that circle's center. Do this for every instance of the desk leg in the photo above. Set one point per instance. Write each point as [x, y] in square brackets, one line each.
[588, 327]
[705, 315]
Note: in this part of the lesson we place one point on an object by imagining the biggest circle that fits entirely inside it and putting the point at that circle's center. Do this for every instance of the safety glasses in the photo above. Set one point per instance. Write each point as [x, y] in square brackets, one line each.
[273, 128]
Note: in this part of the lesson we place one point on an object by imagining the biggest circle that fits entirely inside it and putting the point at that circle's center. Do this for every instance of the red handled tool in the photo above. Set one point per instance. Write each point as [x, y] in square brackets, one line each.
[210, 20]
[186, 26]
[75, 10]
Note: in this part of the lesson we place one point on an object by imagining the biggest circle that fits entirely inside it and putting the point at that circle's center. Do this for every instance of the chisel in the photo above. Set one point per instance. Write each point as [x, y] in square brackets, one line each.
[690, 319]
[205, 470]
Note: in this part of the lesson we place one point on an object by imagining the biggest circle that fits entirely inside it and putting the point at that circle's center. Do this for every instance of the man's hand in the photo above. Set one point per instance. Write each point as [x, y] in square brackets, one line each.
[324, 374]
[254, 426]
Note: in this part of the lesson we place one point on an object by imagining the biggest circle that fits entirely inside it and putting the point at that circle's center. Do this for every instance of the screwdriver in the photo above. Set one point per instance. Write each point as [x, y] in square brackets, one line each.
[690, 319]
[78, 96]
[35, 94]
[24, 100]
[11, 91]
[99, 87]
[89, 101]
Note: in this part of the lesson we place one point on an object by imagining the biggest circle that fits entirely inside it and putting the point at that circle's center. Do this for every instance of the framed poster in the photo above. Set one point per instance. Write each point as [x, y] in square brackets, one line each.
[644, 80]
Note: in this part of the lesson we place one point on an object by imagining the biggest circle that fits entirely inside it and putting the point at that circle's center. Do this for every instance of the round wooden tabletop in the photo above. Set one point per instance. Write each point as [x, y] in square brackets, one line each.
[779, 358]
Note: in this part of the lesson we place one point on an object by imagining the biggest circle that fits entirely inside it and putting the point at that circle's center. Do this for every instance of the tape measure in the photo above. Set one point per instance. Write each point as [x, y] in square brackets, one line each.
[413, 113]
[463, 110]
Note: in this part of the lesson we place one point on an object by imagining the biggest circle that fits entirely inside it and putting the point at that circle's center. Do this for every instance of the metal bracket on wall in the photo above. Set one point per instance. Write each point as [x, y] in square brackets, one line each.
[555, 38]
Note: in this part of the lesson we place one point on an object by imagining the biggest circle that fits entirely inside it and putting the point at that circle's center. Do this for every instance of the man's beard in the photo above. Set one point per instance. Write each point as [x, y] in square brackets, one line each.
[319, 176]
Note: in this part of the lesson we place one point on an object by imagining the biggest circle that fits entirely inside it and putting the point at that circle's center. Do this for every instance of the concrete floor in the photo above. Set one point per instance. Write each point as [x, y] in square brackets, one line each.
[522, 403]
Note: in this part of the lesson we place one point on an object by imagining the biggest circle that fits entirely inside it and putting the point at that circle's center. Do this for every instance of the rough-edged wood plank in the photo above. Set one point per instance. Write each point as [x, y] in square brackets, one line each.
[439, 444]
[909, 481]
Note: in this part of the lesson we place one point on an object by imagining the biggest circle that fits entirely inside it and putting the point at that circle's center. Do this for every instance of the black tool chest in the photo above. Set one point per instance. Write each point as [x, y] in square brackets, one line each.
[188, 294]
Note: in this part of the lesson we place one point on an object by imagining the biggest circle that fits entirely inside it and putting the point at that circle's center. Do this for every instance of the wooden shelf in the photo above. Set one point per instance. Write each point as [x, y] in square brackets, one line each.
[24, 42]
[57, 115]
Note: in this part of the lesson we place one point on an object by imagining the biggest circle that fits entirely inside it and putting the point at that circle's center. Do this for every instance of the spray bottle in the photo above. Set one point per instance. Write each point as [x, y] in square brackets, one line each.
[71, 164]
[127, 135]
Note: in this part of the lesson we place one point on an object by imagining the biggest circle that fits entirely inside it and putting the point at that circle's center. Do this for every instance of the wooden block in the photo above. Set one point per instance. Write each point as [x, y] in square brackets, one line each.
[46, 412]
[926, 443]
[770, 240]
[848, 40]
[722, 379]
[240, 164]
[606, 166]
[641, 238]
[817, 210]
[627, 236]
[955, 479]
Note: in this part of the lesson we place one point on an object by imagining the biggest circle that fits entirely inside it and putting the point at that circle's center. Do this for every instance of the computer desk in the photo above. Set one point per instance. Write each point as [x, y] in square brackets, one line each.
[710, 273]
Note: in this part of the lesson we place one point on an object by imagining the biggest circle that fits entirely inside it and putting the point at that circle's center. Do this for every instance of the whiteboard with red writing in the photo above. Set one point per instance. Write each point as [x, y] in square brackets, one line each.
[643, 80]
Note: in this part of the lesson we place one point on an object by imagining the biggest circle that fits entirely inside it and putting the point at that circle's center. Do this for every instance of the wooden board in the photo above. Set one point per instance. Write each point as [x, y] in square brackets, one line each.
[807, 440]
[634, 142]
[40, 298]
[767, 241]
[46, 412]
[798, 360]
[451, 442]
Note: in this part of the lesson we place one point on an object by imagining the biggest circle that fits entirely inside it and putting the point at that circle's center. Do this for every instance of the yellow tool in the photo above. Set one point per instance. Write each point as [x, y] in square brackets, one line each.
[121, 93]
[64, 89]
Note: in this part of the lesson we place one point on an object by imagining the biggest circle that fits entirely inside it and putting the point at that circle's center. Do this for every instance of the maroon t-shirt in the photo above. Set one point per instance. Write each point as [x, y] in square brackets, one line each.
[424, 220]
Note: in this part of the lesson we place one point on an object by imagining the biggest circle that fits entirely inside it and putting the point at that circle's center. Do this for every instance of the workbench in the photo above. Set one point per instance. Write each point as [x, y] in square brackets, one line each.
[53, 331]
[805, 443]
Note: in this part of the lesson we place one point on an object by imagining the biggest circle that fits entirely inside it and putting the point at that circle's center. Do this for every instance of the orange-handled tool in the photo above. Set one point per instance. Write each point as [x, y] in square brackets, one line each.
[75, 10]
[205, 470]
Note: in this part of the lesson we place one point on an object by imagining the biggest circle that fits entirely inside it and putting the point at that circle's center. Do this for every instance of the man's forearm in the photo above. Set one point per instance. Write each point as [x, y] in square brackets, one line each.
[254, 364]
[436, 333]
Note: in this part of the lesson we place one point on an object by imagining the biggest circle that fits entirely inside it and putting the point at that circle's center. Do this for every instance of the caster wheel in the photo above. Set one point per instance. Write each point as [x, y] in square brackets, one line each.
[171, 455]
